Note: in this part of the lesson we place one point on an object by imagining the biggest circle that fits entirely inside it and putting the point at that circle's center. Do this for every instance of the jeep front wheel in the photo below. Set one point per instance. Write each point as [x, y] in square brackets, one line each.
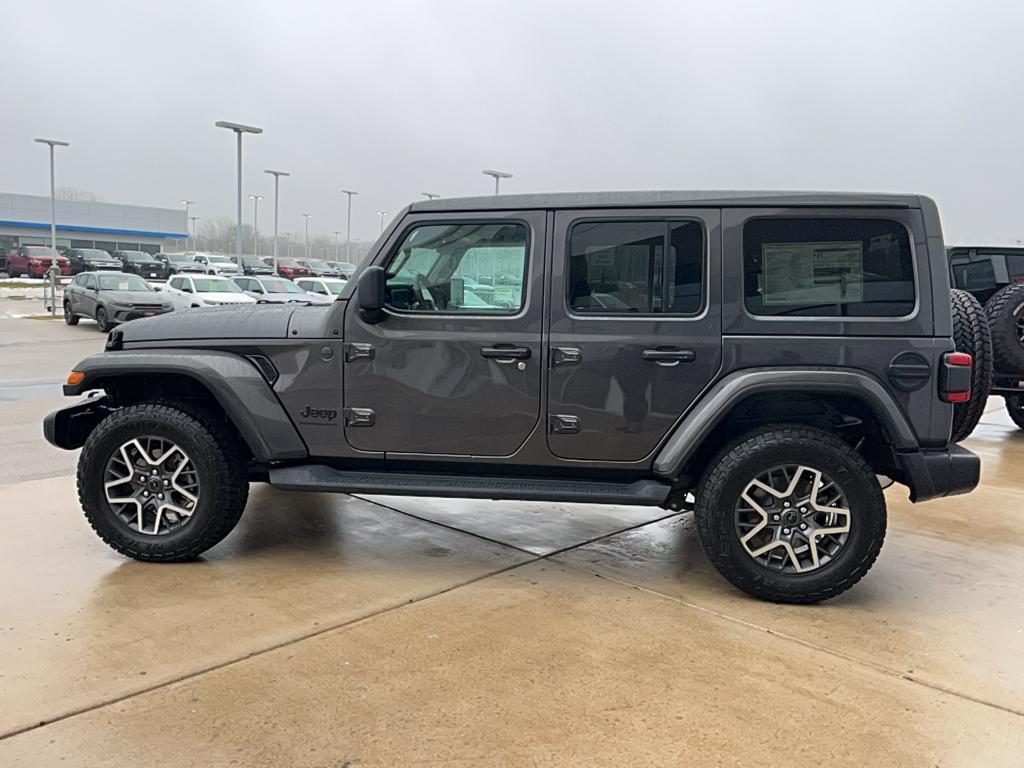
[159, 484]
[791, 515]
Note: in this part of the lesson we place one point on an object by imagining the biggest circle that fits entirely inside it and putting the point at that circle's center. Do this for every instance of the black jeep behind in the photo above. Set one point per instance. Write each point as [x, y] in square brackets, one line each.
[760, 358]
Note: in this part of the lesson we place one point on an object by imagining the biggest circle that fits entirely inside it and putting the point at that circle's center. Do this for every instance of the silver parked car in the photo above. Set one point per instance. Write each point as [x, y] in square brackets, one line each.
[111, 298]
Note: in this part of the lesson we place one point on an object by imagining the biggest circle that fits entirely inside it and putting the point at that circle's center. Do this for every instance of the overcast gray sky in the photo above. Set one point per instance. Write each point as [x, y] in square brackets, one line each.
[397, 98]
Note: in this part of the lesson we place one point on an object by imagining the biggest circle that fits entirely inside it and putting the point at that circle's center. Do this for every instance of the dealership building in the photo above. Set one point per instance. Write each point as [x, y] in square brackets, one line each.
[25, 220]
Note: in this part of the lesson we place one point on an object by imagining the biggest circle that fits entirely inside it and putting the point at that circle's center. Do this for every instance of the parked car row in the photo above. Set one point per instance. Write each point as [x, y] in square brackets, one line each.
[113, 297]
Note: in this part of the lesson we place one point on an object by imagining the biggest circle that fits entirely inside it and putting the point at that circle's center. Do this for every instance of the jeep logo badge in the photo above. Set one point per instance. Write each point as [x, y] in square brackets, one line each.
[309, 412]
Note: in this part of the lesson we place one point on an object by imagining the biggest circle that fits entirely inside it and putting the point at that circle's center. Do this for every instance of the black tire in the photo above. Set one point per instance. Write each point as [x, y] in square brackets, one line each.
[69, 317]
[102, 323]
[216, 454]
[1005, 313]
[719, 493]
[1015, 407]
[971, 334]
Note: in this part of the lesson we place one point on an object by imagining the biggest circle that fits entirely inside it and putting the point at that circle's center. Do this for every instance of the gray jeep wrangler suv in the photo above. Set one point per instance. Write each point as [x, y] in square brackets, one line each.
[767, 360]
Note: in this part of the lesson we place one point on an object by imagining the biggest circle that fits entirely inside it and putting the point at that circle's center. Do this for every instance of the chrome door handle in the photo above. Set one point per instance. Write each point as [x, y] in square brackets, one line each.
[505, 355]
[668, 358]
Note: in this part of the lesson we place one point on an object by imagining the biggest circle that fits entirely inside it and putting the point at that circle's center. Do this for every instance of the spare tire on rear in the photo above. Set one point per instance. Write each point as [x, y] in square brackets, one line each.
[1005, 313]
[971, 335]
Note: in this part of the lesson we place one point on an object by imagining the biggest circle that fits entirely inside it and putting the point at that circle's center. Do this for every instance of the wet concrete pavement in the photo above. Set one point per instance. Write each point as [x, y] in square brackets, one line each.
[331, 630]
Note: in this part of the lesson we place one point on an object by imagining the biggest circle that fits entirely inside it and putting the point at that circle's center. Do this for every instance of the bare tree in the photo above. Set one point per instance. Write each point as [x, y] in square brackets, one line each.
[74, 193]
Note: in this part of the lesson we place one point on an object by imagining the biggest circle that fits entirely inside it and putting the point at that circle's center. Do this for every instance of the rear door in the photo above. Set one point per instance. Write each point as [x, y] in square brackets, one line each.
[635, 327]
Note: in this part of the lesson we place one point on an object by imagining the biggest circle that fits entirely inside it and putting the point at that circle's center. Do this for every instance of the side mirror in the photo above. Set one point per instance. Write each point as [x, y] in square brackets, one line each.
[371, 294]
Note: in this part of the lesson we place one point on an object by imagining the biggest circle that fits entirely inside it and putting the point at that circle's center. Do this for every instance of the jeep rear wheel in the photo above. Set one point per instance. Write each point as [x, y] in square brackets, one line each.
[1005, 313]
[971, 335]
[1015, 407]
[160, 484]
[791, 515]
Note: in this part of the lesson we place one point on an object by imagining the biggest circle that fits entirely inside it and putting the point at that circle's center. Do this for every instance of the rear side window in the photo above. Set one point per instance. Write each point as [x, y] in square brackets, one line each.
[636, 267]
[828, 268]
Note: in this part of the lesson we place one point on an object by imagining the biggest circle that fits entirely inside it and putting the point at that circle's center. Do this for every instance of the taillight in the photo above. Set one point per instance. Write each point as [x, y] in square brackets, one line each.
[955, 377]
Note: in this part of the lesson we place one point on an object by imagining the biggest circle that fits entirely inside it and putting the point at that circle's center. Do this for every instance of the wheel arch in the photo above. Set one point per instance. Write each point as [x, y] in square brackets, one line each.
[230, 382]
[831, 399]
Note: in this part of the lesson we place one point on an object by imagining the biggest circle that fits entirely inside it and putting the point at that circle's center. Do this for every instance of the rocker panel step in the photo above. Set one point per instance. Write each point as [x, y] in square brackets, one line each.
[319, 477]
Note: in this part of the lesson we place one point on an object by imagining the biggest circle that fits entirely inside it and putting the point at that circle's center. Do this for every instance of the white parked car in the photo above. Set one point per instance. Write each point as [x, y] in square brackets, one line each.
[331, 287]
[278, 290]
[217, 264]
[191, 291]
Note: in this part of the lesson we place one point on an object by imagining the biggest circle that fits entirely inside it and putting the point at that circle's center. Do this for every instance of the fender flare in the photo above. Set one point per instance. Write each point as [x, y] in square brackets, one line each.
[234, 381]
[716, 404]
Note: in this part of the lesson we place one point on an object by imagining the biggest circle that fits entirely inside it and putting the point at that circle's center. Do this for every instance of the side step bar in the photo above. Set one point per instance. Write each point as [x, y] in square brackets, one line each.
[318, 477]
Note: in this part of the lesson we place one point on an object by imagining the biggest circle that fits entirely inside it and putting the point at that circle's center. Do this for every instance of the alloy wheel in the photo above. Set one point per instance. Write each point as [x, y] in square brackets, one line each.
[152, 485]
[792, 519]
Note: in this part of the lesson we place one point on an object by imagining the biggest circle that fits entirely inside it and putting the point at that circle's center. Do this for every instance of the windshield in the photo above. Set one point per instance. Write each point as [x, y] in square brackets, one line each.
[94, 253]
[178, 258]
[280, 286]
[220, 260]
[253, 261]
[137, 256]
[318, 265]
[38, 250]
[215, 285]
[123, 283]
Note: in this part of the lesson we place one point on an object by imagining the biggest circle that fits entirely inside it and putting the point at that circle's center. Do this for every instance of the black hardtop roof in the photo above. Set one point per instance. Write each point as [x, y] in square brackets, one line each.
[666, 198]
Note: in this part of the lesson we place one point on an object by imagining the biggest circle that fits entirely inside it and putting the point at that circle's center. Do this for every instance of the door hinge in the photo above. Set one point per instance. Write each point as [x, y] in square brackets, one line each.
[355, 351]
[359, 417]
[563, 424]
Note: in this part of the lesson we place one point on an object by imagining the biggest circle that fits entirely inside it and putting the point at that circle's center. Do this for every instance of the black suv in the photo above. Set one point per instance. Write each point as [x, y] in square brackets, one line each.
[761, 359]
[255, 265]
[180, 263]
[143, 264]
[92, 260]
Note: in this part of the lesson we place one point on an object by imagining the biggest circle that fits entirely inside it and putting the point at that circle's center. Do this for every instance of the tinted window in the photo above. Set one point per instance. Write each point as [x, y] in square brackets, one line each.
[177, 282]
[638, 267]
[828, 268]
[214, 285]
[438, 268]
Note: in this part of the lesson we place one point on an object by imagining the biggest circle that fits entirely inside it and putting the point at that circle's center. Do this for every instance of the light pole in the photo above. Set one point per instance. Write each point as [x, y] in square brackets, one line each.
[336, 235]
[382, 214]
[277, 181]
[348, 229]
[239, 129]
[54, 266]
[187, 204]
[307, 217]
[195, 232]
[430, 195]
[498, 176]
[288, 246]
[255, 223]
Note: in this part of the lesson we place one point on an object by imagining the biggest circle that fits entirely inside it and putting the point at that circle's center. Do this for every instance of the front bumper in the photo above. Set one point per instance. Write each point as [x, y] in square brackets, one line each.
[68, 427]
[121, 315]
[934, 474]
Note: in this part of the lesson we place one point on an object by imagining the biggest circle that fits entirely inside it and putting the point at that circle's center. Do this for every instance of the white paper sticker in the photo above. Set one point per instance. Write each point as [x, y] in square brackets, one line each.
[813, 273]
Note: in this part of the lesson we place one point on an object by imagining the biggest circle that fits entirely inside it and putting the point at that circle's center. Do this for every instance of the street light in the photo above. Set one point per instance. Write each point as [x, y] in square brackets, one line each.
[195, 232]
[498, 176]
[288, 244]
[382, 214]
[336, 235]
[307, 216]
[186, 203]
[239, 129]
[430, 195]
[348, 229]
[277, 180]
[54, 267]
[256, 223]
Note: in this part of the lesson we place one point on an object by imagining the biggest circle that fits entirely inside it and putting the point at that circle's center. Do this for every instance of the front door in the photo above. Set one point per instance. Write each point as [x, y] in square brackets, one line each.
[454, 366]
[635, 327]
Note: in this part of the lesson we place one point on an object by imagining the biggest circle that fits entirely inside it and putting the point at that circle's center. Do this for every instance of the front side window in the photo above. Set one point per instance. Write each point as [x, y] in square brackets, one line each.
[90, 282]
[814, 267]
[177, 283]
[636, 267]
[460, 268]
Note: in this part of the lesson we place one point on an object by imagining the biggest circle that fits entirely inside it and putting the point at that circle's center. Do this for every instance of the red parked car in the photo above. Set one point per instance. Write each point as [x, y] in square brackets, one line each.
[34, 261]
[291, 269]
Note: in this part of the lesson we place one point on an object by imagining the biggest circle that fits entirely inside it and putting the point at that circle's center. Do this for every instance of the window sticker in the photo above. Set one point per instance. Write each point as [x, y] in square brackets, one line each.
[813, 273]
